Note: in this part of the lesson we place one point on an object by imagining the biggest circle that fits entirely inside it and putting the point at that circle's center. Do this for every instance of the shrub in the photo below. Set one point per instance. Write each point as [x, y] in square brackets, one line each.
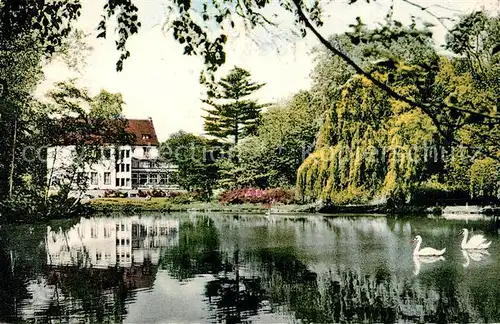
[181, 199]
[257, 196]
[115, 194]
[157, 193]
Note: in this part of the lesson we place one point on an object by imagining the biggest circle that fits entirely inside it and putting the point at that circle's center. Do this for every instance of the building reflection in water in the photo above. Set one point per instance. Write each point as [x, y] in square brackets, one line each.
[110, 242]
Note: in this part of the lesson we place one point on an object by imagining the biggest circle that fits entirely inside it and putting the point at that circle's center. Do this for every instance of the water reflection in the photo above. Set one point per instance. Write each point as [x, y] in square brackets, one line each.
[418, 260]
[109, 242]
[218, 268]
[474, 255]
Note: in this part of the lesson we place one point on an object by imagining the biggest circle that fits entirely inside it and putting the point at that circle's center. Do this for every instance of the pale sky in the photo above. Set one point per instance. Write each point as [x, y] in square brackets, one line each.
[158, 81]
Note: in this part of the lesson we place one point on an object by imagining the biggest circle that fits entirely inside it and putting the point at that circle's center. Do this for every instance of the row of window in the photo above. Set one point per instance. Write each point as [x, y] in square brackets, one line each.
[107, 257]
[122, 167]
[124, 154]
[94, 178]
[123, 242]
[149, 178]
[141, 178]
[122, 182]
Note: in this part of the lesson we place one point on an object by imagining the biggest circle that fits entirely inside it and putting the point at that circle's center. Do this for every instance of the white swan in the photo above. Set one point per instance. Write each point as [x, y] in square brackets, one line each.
[425, 251]
[476, 242]
[418, 260]
[475, 255]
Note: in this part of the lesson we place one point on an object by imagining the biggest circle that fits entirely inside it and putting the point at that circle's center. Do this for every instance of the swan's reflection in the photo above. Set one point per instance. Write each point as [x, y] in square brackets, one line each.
[475, 255]
[418, 260]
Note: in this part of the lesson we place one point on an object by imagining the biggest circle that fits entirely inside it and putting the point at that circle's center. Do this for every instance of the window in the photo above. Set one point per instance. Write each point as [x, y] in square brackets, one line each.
[122, 154]
[127, 167]
[122, 182]
[146, 150]
[93, 179]
[122, 167]
[107, 178]
[127, 153]
[93, 232]
[163, 178]
[117, 182]
[107, 232]
[146, 136]
[117, 168]
[98, 256]
[153, 178]
[127, 183]
[143, 178]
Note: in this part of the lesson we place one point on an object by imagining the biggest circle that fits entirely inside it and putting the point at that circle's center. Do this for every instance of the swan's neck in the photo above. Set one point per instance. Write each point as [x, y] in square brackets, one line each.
[464, 241]
[417, 248]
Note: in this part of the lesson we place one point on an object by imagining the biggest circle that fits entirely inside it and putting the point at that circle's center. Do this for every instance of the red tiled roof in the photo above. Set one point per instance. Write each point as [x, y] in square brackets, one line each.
[140, 127]
[134, 131]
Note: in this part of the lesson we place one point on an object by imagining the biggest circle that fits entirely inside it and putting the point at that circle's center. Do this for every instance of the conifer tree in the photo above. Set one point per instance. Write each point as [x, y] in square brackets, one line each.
[232, 115]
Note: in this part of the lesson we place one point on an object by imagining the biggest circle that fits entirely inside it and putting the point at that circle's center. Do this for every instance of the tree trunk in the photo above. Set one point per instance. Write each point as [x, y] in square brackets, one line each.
[236, 130]
[12, 158]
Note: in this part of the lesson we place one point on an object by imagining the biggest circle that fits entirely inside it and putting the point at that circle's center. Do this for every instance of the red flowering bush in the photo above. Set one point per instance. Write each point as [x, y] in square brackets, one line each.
[257, 196]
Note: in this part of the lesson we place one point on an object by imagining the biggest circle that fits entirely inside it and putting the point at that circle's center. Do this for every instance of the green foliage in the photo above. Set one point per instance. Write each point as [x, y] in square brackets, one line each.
[106, 105]
[271, 158]
[403, 138]
[50, 22]
[195, 157]
[365, 149]
[484, 178]
[87, 123]
[231, 115]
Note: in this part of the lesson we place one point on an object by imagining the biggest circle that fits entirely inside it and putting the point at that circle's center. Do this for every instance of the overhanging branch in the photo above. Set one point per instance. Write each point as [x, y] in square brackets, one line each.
[427, 109]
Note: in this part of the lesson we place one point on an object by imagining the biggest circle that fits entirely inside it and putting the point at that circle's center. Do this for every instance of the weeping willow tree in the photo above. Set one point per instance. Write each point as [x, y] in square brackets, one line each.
[370, 145]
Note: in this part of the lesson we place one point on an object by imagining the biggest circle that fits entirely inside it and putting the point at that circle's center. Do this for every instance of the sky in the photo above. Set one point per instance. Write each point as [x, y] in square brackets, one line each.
[158, 81]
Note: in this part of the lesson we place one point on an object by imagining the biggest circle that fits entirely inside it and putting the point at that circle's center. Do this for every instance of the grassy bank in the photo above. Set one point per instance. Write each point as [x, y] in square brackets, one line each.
[163, 205]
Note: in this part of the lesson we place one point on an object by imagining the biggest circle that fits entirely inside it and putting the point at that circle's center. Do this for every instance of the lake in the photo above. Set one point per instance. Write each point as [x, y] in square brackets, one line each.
[199, 268]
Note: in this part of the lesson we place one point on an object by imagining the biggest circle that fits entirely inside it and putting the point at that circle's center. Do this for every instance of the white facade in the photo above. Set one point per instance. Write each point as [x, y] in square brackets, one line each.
[119, 168]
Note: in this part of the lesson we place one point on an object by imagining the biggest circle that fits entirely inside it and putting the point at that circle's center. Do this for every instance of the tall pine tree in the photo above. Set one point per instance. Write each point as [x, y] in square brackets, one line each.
[231, 114]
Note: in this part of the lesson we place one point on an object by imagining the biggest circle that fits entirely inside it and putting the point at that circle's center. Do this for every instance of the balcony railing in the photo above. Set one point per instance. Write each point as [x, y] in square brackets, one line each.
[149, 165]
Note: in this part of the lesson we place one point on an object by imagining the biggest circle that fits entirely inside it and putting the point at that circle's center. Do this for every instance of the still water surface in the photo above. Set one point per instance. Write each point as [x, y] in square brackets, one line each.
[183, 268]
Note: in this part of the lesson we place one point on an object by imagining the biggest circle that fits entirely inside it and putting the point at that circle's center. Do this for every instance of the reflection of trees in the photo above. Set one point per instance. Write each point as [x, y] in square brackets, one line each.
[288, 282]
[21, 259]
[351, 296]
[233, 297]
[12, 287]
[62, 293]
[197, 251]
[381, 296]
[91, 295]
